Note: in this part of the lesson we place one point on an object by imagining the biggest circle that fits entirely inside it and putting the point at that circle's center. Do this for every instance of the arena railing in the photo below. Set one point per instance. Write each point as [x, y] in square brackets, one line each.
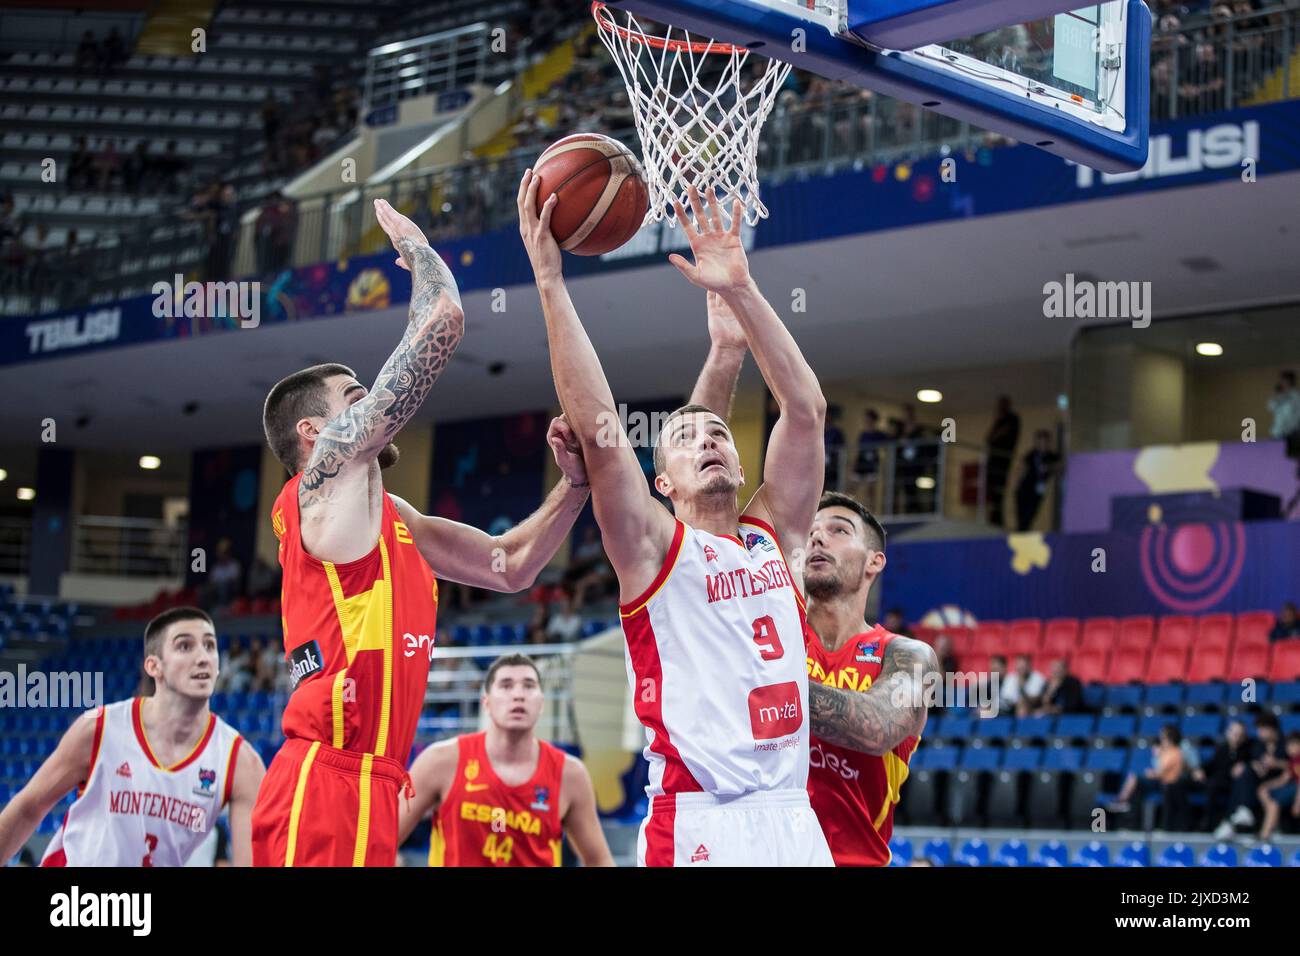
[452, 59]
[15, 546]
[1201, 65]
[128, 547]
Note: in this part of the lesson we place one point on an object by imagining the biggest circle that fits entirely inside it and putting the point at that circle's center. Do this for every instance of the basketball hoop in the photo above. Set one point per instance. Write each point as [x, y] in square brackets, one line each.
[697, 122]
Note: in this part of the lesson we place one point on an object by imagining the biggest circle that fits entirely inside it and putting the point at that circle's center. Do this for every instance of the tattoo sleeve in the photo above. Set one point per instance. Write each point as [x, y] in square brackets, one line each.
[889, 712]
[433, 331]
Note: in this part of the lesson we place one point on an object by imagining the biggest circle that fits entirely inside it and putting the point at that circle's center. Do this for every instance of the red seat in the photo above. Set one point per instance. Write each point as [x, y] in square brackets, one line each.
[1060, 636]
[960, 638]
[1136, 632]
[990, 638]
[1098, 633]
[1126, 665]
[1176, 631]
[979, 663]
[1253, 628]
[1043, 662]
[1025, 637]
[1209, 663]
[1286, 661]
[1214, 630]
[1089, 664]
[1168, 665]
[920, 631]
[1248, 661]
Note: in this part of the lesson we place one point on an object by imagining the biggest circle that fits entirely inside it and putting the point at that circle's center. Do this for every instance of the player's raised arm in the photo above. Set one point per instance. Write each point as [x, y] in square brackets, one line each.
[716, 386]
[511, 561]
[792, 482]
[249, 771]
[62, 770]
[636, 530]
[581, 824]
[348, 443]
[889, 712]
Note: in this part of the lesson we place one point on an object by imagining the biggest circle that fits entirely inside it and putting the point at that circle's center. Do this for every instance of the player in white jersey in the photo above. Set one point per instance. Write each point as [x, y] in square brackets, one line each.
[712, 612]
[152, 773]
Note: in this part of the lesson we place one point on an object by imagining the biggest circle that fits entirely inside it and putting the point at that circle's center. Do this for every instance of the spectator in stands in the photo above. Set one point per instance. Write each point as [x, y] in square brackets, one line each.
[1039, 466]
[113, 52]
[834, 448]
[566, 625]
[87, 56]
[537, 627]
[1288, 624]
[276, 222]
[1022, 689]
[70, 244]
[1271, 763]
[169, 168]
[997, 678]
[1168, 774]
[270, 112]
[108, 165]
[589, 571]
[224, 576]
[221, 221]
[1282, 793]
[236, 673]
[136, 168]
[1063, 693]
[264, 579]
[81, 167]
[866, 464]
[1285, 407]
[1001, 442]
[943, 651]
[1230, 780]
[914, 458]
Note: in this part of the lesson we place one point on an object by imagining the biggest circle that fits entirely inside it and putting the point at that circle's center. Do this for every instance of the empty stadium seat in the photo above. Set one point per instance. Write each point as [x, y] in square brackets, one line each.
[1024, 637]
[1207, 694]
[1287, 694]
[900, 851]
[1124, 697]
[1285, 664]
[1051, 853]
[1248, 661]
[1221, 854]
[1264, 855]
[974, 852]
[1090, 665]
[1164, 695]
[980, 759]
[1044, 794]
[993, 728]
[1177, 854]
[938, 851]
[1127, 665]
[1106, 759]
[1176, 631]
[1033, 728]
[1098, 634]
[1092, 853]
[1167, 663]
[1012, 853]
[1134, 854]
[1074, 726]
[1136, 632]
[1060, 636]
[1209, 662]
[1002, 805]
[1022, 758]
[1202, 726]
[951, 727]
[1214, 630]
[1252, 629]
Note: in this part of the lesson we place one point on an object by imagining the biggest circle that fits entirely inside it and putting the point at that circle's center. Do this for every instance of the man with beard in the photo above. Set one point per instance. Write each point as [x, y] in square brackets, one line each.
[358, 596]
[866, 685]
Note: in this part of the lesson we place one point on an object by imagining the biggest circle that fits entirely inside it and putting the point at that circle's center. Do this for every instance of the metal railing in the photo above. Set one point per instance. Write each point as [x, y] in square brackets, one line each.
[1250, 57]
[452, 59]
[128, 547]
[15, 545]
[914, 479]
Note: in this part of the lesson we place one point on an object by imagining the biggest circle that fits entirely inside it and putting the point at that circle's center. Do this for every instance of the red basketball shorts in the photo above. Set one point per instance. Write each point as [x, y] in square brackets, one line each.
[320, 806]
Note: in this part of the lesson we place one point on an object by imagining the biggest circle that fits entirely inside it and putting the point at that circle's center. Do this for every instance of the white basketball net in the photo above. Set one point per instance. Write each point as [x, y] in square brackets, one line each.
[697, 118]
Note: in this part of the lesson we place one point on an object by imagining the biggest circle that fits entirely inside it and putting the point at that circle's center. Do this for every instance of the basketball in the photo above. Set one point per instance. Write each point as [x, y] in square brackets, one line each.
[602, 190]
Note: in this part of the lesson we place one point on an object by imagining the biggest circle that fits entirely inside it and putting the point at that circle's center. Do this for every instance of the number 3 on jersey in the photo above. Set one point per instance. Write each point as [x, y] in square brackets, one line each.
[766, 638]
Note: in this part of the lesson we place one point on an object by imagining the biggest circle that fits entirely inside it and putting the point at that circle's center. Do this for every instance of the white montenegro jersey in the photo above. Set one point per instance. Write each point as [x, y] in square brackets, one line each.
[132, 811]
[715, 657]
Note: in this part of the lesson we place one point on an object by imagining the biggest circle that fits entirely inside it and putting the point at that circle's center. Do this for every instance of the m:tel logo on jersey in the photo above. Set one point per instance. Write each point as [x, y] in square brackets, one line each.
[775, 710]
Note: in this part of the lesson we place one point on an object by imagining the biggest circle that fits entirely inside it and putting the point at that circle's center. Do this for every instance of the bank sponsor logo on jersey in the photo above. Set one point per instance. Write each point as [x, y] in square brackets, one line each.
[541, 799]
[124, 770]
[868, 652]
[755, 540]
[207, 780]
[775, 710]
[304, 660]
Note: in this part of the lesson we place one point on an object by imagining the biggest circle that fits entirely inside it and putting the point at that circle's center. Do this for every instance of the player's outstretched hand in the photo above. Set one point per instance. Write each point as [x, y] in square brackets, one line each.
[399, 229]
[720, 263]
[535, 228]
[725, 330]
[568, 451]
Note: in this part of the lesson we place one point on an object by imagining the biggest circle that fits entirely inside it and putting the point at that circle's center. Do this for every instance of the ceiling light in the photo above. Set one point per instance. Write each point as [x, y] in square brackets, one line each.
[26, 494]
[929, 395]
[925, 483]
[1210, 349]
[150, 462]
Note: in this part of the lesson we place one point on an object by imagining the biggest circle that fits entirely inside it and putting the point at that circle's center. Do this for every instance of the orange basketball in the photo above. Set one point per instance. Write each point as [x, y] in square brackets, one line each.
[601, 188]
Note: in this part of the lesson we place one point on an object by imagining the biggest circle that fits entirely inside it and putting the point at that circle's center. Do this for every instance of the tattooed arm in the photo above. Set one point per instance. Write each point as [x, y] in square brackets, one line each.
[889, 712]
[716, 386]
[340, 494]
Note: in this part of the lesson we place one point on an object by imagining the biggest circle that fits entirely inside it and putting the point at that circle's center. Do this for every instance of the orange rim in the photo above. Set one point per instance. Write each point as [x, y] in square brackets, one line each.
[605, 20]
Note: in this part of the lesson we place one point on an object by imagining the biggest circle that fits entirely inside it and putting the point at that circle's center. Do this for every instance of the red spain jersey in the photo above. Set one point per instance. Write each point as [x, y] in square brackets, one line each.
[358, 637]
[854, 794]
[483, 822]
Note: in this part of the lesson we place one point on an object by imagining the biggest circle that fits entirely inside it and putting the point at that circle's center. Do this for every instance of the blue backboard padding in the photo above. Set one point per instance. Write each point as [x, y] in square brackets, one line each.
[768, 31]
[908, 24]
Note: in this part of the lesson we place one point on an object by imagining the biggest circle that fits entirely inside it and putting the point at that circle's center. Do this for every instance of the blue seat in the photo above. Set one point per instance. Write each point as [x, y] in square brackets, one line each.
[974, 852]
[1164, 695]
[219, 702]
[1051, 853]
[938, 851]
[460, 635]
[1150, 725]
[1221, 854]
[1264, 855]
[259, 700]
[1012, 853]
[1063, 758]
[1023, 758]
[976, 759]
[480, 636]
[1134, 854]
[592, 628]
[1197, 726]
[993, 728]
[1207, 695]
[936, 758]
[1295, 859]
[1288, 693]
[900, 851]
[1033, 727]
[1094, 696]
[1177, 854]
[1124, 696]
[1075, 725]
[954, 727]
[1093, 853]
[503, 634]
[1290, 723]
[1120, 725]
